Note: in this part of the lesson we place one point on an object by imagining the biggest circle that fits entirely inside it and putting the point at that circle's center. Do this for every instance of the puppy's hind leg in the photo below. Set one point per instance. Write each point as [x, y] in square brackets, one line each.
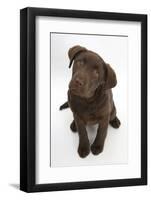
[114, 121]
[73, 126]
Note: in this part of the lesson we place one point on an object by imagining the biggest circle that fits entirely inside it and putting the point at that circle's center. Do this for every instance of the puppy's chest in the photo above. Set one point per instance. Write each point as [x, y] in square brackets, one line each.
[83, 109]
[89, 112]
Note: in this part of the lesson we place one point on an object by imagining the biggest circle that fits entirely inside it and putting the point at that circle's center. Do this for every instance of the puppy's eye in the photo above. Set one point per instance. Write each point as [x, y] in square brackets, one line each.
[79, 62]
[95, 73]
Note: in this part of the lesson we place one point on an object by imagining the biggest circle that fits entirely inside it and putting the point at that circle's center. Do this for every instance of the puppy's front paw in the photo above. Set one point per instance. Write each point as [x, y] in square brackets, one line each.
[83, 150]
[96, 148]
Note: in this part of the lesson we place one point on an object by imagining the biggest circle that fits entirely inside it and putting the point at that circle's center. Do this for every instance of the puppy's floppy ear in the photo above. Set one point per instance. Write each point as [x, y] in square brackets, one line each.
[74, 51]
[110, 77]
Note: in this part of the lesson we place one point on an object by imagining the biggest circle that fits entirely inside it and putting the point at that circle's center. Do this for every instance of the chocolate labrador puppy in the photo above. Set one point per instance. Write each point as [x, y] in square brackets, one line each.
[90, 98]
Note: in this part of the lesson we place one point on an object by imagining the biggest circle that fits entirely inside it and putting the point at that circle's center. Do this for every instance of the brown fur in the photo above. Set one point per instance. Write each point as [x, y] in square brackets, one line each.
[90, 97]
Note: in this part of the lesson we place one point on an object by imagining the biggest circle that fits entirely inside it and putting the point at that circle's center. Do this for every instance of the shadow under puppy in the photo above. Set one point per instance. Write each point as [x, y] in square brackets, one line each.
[90, 98]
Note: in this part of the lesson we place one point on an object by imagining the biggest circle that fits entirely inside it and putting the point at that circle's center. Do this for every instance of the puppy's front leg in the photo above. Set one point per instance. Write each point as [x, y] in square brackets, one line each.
[98, 144]
[84, 145]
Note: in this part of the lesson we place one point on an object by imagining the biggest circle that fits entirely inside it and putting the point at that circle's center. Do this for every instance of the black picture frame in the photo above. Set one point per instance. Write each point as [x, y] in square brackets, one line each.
[28, 99]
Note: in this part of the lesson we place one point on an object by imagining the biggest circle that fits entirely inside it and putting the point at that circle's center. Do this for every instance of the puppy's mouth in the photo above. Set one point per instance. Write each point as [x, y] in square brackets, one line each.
[75, 91]
[78, 92]
[81, 92]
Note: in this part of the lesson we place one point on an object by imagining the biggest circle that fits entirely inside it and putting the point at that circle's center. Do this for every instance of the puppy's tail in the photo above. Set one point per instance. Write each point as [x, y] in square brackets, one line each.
[64, 106]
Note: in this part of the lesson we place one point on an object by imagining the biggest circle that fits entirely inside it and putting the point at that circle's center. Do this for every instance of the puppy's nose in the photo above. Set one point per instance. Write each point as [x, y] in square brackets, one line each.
[79, 82]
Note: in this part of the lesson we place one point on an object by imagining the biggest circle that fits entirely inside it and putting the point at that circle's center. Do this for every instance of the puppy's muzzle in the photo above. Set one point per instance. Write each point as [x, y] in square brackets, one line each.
[76, 85]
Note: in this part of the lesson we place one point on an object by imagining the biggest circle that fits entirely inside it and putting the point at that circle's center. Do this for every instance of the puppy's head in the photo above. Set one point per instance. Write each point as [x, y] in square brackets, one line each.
[89, 72]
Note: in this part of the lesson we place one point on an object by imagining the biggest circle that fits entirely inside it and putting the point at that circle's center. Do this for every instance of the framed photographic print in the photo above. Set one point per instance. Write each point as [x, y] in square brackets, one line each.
[83, 99]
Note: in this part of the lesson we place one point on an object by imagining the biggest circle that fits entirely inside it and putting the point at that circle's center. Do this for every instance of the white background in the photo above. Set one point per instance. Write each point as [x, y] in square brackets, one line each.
[9, 101]
[64, 143]
[128, 102]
